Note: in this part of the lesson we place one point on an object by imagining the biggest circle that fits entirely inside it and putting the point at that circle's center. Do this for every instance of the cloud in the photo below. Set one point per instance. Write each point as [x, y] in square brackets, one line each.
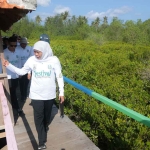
[43, 2]
[138, 14]
[60, 9]
[42, 15]
[109, 13]
[45, 15]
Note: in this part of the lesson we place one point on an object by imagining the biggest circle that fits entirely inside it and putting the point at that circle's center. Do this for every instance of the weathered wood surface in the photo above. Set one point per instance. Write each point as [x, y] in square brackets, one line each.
[10, 137]
[1, 118]
[2, 135]
[63, 133]
[5, 148]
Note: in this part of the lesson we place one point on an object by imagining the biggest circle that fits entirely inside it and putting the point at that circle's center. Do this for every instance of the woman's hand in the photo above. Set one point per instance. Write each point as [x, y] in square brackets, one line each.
[5, 62]
[61, 98]
[29, 76]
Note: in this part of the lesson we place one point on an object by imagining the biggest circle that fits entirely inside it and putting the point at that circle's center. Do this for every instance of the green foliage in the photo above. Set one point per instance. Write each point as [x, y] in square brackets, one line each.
[109, 59]
[77, 28]
[114, 70]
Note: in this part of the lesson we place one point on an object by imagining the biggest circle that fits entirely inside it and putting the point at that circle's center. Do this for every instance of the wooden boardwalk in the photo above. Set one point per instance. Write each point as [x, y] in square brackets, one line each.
[63, 133]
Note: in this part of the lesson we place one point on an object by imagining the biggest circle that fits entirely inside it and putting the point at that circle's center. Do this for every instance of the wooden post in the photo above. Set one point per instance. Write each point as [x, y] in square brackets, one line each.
[4, 80]
[9, 130]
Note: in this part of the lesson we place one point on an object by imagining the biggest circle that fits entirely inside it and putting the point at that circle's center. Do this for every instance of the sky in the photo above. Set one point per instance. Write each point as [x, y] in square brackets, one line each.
[123, 9]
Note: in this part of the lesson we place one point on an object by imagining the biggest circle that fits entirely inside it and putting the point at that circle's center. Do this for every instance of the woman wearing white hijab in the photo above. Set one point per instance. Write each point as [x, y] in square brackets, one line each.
[45, 68]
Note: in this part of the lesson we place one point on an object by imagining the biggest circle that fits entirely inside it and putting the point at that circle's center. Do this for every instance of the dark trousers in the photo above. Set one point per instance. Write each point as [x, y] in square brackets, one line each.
[13, 83]
[23, 83]
[42, 115]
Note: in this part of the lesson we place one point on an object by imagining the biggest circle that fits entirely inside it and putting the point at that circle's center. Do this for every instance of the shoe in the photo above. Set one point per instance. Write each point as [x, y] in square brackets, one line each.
[42, 147]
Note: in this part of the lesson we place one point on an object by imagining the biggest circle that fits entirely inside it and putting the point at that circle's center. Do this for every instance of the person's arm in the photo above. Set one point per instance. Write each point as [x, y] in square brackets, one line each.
[19, 62]
[29, 75]
[59, 77]
[30, 55]
[19, 71]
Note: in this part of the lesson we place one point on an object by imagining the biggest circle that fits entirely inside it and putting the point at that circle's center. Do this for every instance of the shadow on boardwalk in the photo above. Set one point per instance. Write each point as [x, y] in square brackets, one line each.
[63, 134]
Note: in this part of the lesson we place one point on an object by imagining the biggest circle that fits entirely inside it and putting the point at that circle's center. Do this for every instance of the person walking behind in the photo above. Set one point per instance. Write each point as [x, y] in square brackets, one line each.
[12, 54]
[45, 70]
[45, 37]
[26, 52]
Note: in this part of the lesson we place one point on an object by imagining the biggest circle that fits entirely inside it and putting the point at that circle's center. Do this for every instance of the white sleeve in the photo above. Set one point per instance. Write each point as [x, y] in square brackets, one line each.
[30, 55]
[59, 77]
[20, 71]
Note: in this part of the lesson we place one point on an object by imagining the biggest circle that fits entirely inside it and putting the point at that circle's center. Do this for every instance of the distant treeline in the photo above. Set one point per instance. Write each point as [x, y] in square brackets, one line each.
[117, 71]
[66, 27]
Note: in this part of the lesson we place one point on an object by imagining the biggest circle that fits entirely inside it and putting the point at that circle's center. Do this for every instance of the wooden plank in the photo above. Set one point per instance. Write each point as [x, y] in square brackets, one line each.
[10, 137]
[4, 148]
[4, 80]
[3, 126]
[2, 135]
[7, 94]
[63, 133]
[4, 75]
[1, 51]
[133, 114]
[129, 112]
[1, 118]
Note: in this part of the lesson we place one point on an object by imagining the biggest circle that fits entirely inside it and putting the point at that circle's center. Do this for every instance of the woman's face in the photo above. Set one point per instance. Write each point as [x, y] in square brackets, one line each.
[38, 54]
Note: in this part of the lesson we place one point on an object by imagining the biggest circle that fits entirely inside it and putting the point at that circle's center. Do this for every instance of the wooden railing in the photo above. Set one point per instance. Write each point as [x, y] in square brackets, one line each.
[133, 114]
[6, 121]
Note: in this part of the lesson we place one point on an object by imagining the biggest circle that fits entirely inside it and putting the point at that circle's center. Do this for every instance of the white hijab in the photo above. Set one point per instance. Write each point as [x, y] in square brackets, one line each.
[45, 48]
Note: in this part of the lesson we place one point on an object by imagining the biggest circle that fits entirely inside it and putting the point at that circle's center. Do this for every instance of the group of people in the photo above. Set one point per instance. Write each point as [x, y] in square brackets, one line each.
[23, 62]
[17, 51]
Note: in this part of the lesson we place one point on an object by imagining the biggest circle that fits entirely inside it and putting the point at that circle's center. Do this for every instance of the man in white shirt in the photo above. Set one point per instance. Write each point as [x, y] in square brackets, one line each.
[25, 52]
[13, 55]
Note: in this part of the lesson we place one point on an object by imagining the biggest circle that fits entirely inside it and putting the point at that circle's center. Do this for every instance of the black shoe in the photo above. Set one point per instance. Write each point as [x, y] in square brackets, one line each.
[42, 147]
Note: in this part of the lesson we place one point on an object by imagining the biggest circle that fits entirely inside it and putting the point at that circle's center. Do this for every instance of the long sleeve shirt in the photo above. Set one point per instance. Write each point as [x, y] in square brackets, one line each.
[25, 53]
[15, 59]
[44, 75]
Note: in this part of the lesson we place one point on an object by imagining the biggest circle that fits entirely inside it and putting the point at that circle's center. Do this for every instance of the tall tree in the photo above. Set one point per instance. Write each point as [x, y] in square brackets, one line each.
[81, 20]
[96, 23]
[64, 17]
[114, 32]
[38, 19]
[105, 20]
